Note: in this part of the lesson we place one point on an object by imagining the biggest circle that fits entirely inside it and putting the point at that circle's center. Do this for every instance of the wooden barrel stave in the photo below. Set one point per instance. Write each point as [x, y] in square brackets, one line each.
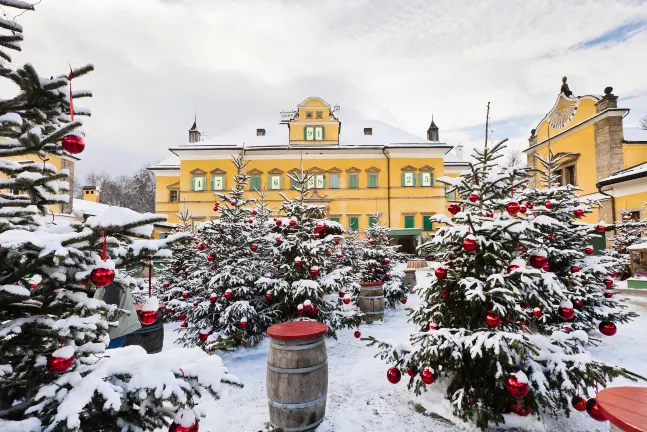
[372, 302]
[297, 383]
[410, 280]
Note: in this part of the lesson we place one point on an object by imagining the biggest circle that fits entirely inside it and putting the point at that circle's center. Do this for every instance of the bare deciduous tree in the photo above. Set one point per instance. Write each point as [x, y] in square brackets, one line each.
[643, 122]
[515, 158]
[136, 192]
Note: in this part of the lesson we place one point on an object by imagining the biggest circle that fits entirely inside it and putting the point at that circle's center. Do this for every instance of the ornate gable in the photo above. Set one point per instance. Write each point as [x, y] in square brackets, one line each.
[275, 171]
[372, 170]
[353, 170]
[409, 168]
[426, 168]
[315, 170]
[255, 172]
[198, 172]
[217, 171]
[334, 170]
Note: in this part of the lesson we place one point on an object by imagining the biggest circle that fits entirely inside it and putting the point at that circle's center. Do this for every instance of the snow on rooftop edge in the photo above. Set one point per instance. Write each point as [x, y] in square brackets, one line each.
[642, 168]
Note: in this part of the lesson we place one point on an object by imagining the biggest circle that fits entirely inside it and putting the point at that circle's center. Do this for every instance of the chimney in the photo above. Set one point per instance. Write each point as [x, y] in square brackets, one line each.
[459, 151]
[532, 139]
[608, 137]
[368, 131]
[194, 134]
[260, 132]
[91, 193]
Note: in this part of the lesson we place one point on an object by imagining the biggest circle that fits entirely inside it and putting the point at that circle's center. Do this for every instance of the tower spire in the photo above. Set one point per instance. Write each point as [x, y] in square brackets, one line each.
[432, 132]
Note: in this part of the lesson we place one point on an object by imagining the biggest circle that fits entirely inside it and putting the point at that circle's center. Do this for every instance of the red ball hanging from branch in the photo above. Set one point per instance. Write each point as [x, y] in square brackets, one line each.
[300, 308]
[213, 297]
[517, 385]
[269, 296]
[297, 262]
[512, 208]
[346, 299]
[253, 248]
[211, 257]
[427, 376]
[608, 282]
[185, 421]
[579, 213]
[293, 223]
[607, 328]
[565, 310]
[200, 247]
[440, 272]
[73, 144]
[600, 228]
[537, 261]
[575, 269]
[492, 319]
[101, 277]
[589, 250]
[185, 295]
[608, 294]
[404, 300]
[549, 205]
[593, 408]
[387, 261]
[357, 334]
[243, 322]
[228, 294]
[184, 324]
[61, 360]
[278, 222]
[147, 317]
[578, 403]
[512, 267]
[536, 312]
[454, 209]
[203, 336]
[469, 243]
[393, 375]
[314, 271]
[473, 197]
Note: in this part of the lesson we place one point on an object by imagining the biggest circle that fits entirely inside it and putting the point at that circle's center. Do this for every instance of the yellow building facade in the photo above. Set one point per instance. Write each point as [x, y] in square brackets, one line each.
[357, 169]
[606, 160]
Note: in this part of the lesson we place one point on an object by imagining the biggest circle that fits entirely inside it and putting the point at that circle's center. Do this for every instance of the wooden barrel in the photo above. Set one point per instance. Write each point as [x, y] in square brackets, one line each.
[150, 337]
[297, 375]
[416, 263]
[372, 301]
[410, 280]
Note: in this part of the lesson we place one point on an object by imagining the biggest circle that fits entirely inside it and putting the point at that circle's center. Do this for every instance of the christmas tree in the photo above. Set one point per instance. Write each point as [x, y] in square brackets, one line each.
[234, 252]
[628, 232]
[54, 371]
[347, 256]
[379, 262]
[302, 284]
[564, 253]
[475, 334]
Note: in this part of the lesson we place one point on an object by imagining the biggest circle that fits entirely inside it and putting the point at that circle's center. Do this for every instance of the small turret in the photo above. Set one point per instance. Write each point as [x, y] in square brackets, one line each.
[432, 132]
[194, 134]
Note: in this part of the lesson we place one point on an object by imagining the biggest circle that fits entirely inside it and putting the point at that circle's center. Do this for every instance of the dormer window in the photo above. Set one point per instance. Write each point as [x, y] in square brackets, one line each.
[260, 132]
[308, 114]
[368, 131]
[319, 114]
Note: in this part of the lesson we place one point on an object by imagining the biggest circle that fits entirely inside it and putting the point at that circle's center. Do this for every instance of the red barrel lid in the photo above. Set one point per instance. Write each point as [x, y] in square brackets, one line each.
[138, 307]
[297, 330]
[371, 283]
[625, 407]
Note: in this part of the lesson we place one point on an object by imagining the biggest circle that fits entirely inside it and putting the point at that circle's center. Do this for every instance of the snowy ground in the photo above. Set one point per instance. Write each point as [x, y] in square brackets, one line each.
[361, 399]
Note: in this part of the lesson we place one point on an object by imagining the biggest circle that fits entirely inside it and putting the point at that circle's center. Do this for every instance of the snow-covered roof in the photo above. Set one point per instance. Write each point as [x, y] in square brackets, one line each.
[172, 162]
[82, 207]
[635, 134]
[634, 172]
[638, 246]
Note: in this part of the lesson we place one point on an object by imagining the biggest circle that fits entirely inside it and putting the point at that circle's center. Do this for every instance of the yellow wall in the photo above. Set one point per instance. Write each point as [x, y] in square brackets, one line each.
[329, 123]
[630, 202]
[585, 110]
[634, 154]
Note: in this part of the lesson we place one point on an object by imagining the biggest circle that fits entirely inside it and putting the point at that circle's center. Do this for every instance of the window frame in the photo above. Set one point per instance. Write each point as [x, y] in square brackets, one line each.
[334, 219]
[411, 218]
[333, 184]
[372, 176]
[213, 182]
[315, 178]
[195, 177]
[431, 178]
[354, 219]
[270, 182]
[252, 180]
[404, 178]
[350, 183]
[170, 196]
[372, 221]
[309, 115]
[319, 115]
[427, 223]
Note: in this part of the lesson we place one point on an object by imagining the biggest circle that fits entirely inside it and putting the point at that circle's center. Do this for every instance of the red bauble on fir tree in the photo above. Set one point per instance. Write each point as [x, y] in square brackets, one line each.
[342, 294]
[101, 277]
[73, 144]
[243, 322]
[536, 312]
[269, 296]
[578, 403]
[517, 385]
[314, 271]
[522, 209]
[589, 250]
[454, 209]
[512, 208]
[529, 205]
[228, 294]
[473, 197]
[297, 262]
[565, 310]
[578, 303]
[593, 408]
[427, 376]
[61, 360]
[608, 294]
[184, 324]
[579, 213]
[440, 273]
[537, 261]
[200, 247]
[147, 317]
[411, 372]
[300, 308]
[607, 328]
[195, 303]
[404, 300]
[445, 293]
[469, 244]
[202, 337]
[253, 248]
[549, 205]
[608, 282]
[546, 267]
[278, 222]
[346, 299]
[600, 228]
[512, 267]
[307, 305]
[575, 269]
[184, 421]
[492, 319]
[614, 273]
[292, 223]
[213, 297]
[357, 334]
[567, 330]
[393, 375]
[185, 295]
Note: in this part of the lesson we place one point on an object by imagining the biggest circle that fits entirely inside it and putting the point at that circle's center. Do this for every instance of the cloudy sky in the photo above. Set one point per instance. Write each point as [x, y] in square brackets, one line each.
[397, 61]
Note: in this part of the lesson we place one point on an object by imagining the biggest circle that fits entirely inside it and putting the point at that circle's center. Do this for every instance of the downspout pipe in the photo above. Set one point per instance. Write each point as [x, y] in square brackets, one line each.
[613, 206]
[388, 187]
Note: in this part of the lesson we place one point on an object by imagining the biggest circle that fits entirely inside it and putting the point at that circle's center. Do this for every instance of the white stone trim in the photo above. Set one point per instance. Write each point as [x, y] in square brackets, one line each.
[165, 173]
[630, 187]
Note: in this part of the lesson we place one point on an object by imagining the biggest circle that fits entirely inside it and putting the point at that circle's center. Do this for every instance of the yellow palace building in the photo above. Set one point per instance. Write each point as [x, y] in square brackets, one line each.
[357, 169]
[606, 160]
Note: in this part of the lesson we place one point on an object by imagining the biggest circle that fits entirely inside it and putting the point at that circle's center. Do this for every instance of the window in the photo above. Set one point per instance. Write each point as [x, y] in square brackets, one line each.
[426, 179]
[372, 221]
[312, 133]
[335, 219]
[260, 132]
[255, 182]
[448, 194]
[409, 221]
[408, 179]
[163, 236]
[174, 196]
[317, 181]
[218, 182]
[198, 183]
[334, 181]
[294, 184]
[372, 180]
[353, 223]
[368, 131]
[634, 215]
[570, 174]
[308, 114]
[427, 223]
[319, 114]
[353, 181]
[275, 182]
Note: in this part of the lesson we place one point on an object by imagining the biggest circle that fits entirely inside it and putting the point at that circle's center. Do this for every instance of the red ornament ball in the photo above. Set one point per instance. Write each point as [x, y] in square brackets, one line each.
[522, 249]
[445, 293]
[589, 250]
[279, 223]
[299, 309]
[529, 205]
[73, 144]
[269, 296]
[536, 312]
[181, 317]
[404, 300]
[492, 320]
[213, 298]
[512, 267]
[228, 294]
[210, 258]
[339, 255]
[184, 324]
[346, 299]
[341, 294]
[203, 337]
[454, 209]
[614, 273]
[566, 313]
[254, 212]
[516, 388]
[357, 334]
[393, 375]
[314, 272]
[297, 263]
[102, 276]
[387, 261]
[147, 317]
[524, 305]
[593, 408]
[538, 261]
[600, 229]
[185, 295]
[200, 247]
[440, 272]
[328, 253]
[578, 403]
[578, 303]
[275, 261]
[469, 244]
[233, 203]
[427, 376]
[549, 237]
[608, 294]
[549, 205]
[567, 330]
[195, 304]
[314, 311]
[607, 328]
[608, 282]
[179, 428]
[165, 285]
[293, 223]
[513, 208]
[307, 305]
[411, 372]
[522, 209]
[253, 248]
[546, 267]
[575, 269]
[59, 365]
[251, 221]
[243, 322]
[473, 197]
[579, 213]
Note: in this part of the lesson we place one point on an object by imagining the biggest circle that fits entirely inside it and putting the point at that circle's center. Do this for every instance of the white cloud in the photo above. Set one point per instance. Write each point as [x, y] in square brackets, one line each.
[399, 61]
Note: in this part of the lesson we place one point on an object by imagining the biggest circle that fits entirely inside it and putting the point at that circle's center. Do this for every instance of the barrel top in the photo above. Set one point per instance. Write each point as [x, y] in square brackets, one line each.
[297, 330]
[371, 283]
[625, 407]
[138, 307]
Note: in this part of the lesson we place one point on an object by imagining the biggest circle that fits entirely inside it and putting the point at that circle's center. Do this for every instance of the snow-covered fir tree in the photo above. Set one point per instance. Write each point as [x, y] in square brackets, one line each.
[302, 285]
[563, 252]
[347, 255]
[627, 233]
[379, 262]
[55, 374]
[234, 251]
[475, 337]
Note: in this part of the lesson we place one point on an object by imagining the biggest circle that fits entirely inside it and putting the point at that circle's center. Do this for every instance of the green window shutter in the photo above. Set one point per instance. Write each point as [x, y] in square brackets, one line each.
[224, 182]
[323, 133]
[372, 180]
[334, 181]
[353, 181]
[213, 183]
[414, 179]
[408, 221]
[324, 181]
[353, 224]
[163, 236]
[372, 221]
[403, 181]
[420, 179]
[281, 182]
[427, 224]
[304, 134]
[335, 219]
[293, 183]
[193, 183]
[255, 183]
[431, 176]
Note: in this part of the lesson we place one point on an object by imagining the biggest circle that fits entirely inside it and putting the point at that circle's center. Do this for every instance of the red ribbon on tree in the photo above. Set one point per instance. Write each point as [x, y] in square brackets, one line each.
[150, 277]
[69, 78]
[105, 246]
